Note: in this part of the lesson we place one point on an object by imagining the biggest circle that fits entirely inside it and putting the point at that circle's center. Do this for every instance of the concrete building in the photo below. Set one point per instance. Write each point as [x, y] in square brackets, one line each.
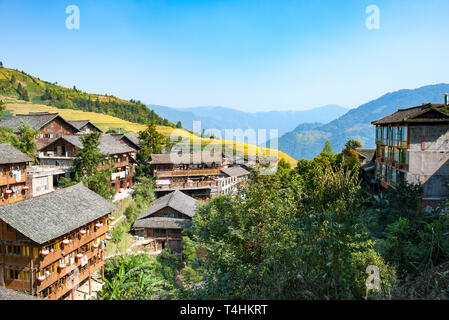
[413, 145]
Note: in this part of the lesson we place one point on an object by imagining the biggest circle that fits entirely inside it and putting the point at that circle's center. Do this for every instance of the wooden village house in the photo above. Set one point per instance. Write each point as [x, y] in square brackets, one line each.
[13, 174]
[50, 244]
[119, 156]
[163, 222]
[50, 125]
[413, 146]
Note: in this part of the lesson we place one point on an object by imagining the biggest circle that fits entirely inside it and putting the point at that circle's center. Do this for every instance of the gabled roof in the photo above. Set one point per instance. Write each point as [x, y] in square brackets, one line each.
[422, 114]
[108, 144]
[53, 215]
[162, 223]
[176, 200]
[131, 138]
[9, 154]
[8, 294]
[186, 158]
[36, 120]
[367, 153]
[80, 124]
[236, 171]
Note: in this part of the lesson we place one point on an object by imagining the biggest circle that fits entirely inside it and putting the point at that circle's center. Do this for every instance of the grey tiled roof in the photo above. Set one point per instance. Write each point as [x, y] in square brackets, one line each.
[9, 154]
[163, 223]
[367, 153]
[79, 124]
[236, 171]
[131, 137]
[108, 144]
[8, 294]
[52, 215]
[35, 120]
[176, 200]
[409, 115]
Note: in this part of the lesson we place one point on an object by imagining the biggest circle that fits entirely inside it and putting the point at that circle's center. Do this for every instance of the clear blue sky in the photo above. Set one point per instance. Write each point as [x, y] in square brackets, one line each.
[250, 55]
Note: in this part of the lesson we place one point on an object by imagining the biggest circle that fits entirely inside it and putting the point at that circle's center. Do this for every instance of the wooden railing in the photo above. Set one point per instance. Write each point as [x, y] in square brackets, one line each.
[62, 289]
[187, 185]
[185, 173]
[52, 257]
[56, 275]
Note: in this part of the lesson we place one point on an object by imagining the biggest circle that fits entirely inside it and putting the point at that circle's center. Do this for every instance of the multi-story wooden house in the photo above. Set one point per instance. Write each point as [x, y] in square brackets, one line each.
[231, 179]
[50, 125]
[119, 156]
[85, 126]
[13, 174]
[196, 174]
[52, 243]
[413, 146]
[163, 222]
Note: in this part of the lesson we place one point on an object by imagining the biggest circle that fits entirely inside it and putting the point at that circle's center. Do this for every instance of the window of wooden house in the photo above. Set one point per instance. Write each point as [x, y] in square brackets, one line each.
[13, 250]
[12, 274]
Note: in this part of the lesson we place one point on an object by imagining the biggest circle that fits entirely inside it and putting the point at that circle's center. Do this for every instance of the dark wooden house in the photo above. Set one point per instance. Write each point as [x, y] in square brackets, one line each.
[50, 125]
[52, 243]
[164, 221]
[119, 156]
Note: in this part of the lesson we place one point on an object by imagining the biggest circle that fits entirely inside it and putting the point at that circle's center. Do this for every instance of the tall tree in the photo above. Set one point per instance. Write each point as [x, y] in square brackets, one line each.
[151, 141]
[89, 157]
[179, 125]
[2, 107]
[26, 139]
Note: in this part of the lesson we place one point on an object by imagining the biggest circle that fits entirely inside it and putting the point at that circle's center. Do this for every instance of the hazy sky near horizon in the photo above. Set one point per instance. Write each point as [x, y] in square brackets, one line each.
[253, 55]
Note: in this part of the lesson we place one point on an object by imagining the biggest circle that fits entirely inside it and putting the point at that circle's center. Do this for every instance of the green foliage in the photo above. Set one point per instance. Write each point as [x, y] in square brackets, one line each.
[86, 165]
[23, 92]
[151, 142]
[188, 250]
[137, 277]
[411, 239]
[2, 107]
[290, 240]
[100, 182]
[328, 149]
[38, 91]
[179, 125]
[143, 197]
[66, 182]
[24, 140]
[89, 157]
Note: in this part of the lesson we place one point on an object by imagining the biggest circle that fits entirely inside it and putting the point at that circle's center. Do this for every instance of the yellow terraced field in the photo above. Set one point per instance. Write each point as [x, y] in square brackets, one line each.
[104, 122]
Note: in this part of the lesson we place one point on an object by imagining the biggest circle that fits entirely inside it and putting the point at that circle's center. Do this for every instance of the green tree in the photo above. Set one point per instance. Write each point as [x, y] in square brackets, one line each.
[26, 139]
[89, 157]
[1, 64]
[328, 149]
[23, 92]
[2, 107]
[179, 125]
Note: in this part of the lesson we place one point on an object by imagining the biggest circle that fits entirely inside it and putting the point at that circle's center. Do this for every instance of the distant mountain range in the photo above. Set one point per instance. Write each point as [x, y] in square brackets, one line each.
[307, 140]
[222, 118]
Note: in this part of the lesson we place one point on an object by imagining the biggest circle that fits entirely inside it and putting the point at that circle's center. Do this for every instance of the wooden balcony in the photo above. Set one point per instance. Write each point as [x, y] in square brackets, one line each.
[186, 173]
[56, 275]
[52, 257]
[63, 289]
[188, 185]
[8, 180]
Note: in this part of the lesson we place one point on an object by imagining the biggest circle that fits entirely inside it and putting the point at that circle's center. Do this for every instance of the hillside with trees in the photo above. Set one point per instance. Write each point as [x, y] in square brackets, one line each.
[20, 85]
